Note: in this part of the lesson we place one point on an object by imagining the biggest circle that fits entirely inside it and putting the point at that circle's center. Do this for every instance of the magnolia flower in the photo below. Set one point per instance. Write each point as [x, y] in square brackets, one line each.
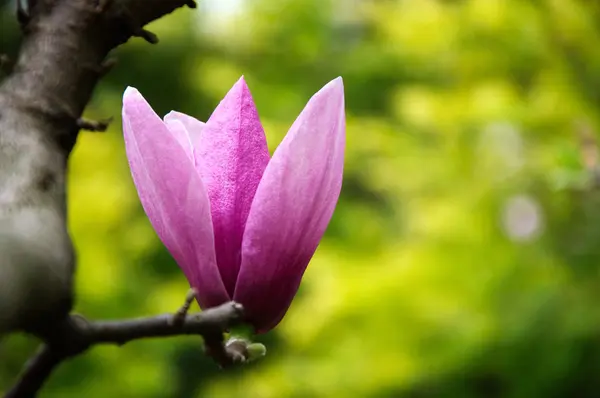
[241, 225]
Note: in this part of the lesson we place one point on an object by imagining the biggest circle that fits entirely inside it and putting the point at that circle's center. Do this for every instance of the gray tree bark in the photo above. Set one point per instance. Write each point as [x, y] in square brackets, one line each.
[61, 59]
[41, 101]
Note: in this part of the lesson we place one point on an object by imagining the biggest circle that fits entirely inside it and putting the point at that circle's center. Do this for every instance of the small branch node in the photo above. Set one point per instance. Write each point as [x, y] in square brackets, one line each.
[179, 317]
[23, 16]
[107, 65]
[94, 125]
[237, 349]
[103, 68]
[146, 35]
[226, 355]
[238, 308]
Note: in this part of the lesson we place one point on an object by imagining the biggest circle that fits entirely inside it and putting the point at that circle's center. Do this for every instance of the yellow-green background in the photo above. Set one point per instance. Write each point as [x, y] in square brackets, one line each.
[459, 113]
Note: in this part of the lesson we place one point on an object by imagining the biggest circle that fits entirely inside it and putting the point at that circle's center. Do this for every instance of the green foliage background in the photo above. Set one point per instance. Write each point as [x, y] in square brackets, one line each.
[463, 259]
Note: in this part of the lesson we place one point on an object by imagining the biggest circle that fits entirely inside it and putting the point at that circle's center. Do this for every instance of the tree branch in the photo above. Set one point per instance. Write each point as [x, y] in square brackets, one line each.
[60, 61]
[77, 335]
[36, 371]
[62, 57]
[207, 323]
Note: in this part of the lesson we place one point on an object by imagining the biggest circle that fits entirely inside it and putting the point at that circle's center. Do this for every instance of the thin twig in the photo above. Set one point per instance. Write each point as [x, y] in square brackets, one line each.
[78, 335]
[179, 316]
[35, 373]
[93, 125]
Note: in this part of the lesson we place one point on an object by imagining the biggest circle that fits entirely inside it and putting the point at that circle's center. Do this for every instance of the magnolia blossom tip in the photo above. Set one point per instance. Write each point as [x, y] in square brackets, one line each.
[130, 91]
[240, 85]
[332, 92]
[171, 115]
[237, 97]
[335, 84]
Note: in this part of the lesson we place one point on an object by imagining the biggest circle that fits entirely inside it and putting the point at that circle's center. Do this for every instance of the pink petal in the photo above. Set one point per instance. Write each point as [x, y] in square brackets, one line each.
[173, 196]
[181, 135]
[192, 125]
[292, 208]
[231, 157]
